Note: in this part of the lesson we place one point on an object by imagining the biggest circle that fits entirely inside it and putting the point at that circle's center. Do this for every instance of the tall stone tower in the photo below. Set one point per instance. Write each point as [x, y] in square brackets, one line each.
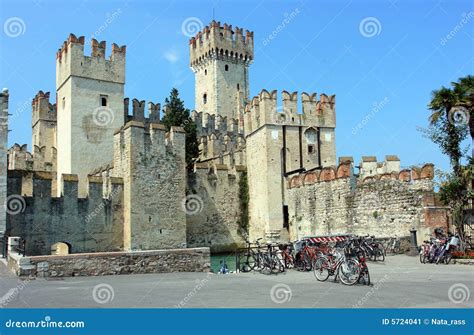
[3, 158]
[90, 93]
[281, 142]
[43, 123]
[220, 58]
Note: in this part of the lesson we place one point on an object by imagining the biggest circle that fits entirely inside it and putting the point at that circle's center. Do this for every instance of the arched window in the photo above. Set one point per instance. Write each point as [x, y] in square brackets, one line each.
[204, 98]
[205, 72]
[227, 67]
[103, 100]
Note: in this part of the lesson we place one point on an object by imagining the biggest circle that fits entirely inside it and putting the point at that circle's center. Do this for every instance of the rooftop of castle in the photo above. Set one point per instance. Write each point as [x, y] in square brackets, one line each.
[225, 30]
[97, 48]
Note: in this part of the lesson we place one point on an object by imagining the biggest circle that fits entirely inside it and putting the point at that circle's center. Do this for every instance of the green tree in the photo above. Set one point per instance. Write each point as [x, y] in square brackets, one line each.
[450, 122]
[176, 114]
[464, 89]
[443, 130]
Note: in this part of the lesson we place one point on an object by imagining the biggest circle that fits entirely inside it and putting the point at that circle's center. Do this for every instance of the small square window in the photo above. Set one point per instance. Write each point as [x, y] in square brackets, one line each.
[311, 149]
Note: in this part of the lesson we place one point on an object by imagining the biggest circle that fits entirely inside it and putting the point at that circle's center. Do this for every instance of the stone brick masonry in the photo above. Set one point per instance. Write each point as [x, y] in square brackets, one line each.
[112, 263]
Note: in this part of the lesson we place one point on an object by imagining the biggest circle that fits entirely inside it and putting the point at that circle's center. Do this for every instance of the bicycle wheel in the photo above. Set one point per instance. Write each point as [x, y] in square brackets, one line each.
[308, 264]
[379, 255]
[321, 269]
[248, 264]
[349, 272]
[448, 258]
[365, 276]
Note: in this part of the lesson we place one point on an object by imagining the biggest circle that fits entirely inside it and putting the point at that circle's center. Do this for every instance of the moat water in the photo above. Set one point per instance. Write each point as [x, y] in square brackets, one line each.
[216, 260]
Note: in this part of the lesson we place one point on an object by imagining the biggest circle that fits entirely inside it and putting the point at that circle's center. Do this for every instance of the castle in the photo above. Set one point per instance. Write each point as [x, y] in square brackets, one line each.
[104, 177]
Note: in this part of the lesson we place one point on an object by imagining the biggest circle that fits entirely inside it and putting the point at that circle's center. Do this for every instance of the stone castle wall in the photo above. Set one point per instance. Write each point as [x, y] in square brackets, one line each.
[215, 223]
[112, 263]
[334, 201]
[90, 224]
[151, 162]
[3, 157]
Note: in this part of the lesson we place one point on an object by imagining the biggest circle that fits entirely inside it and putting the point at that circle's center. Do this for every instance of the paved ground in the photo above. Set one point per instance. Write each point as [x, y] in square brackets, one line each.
[399, 282]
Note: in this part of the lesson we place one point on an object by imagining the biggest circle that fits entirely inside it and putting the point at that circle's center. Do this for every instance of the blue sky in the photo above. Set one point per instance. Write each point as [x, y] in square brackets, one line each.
[382, 77]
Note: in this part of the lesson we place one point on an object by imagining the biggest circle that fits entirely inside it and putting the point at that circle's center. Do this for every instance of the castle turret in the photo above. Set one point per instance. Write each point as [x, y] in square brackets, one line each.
[3, 157]
[43, 123]
[90, 93]
[220, 57]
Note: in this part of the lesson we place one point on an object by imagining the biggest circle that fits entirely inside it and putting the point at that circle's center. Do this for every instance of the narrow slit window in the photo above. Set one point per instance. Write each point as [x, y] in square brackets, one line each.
[103, 100]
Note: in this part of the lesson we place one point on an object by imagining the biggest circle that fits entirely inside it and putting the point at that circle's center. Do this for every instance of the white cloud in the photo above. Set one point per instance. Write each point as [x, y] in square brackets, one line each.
[171, 56]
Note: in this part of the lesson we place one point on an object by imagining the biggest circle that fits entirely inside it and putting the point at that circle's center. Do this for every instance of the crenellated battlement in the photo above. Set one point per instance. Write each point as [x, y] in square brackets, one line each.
[71, 61]
[224, 149]
[207, 124]
[221, 42]
[220, 138]
[144, 140]
[265, 109]
[369, 166]
[42, 183]
[42, 109]
[138, 111]
[344, 171]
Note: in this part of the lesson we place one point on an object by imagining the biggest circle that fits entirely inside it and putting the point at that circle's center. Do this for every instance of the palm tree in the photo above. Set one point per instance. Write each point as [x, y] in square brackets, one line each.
[464, 89]
[442, 101]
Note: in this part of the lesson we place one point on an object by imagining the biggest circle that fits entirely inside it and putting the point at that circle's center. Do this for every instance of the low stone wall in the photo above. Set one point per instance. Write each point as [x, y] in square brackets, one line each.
[112, 263]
